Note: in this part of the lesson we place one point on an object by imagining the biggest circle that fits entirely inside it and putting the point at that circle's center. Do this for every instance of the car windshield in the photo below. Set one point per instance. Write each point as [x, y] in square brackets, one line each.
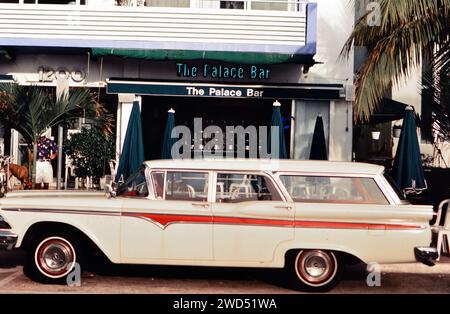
[135, 186]
[394, 186]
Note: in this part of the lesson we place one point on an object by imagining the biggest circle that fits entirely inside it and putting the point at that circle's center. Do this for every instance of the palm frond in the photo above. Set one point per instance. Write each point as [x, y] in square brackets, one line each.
[436, 89]
[395, 47]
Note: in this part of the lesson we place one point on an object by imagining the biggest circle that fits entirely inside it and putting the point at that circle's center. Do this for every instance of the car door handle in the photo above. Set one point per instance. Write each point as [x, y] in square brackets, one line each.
[204, 205]
[288, 207]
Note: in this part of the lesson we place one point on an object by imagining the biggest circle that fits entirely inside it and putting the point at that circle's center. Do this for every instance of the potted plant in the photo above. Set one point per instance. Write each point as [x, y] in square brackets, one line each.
[375, 134]
[90, 152]
[396, 130]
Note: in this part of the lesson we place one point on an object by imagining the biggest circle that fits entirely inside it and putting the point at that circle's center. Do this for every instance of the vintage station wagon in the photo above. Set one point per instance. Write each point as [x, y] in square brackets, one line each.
[309, 217]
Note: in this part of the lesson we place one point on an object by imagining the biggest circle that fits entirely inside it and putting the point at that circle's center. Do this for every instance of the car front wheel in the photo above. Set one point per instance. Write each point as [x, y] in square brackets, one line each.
[50, 259]
[315, 270]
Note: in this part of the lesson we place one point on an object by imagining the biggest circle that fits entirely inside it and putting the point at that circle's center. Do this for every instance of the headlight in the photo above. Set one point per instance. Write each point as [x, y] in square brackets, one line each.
[4, 224]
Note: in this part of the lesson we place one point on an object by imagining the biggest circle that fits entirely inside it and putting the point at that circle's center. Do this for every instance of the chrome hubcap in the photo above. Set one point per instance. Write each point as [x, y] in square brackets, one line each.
[55, 257]
[315, 266]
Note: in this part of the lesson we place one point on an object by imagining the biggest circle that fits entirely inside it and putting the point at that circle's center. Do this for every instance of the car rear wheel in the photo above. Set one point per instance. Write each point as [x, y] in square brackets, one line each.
[315, 270]
[52, 258]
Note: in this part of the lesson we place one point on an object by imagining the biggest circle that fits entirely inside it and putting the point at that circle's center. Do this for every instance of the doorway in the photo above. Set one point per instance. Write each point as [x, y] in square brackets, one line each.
[221, 112]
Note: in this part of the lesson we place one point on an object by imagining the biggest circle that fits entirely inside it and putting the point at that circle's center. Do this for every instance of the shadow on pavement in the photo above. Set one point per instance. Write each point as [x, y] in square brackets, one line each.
[10, 259]
[273, 276]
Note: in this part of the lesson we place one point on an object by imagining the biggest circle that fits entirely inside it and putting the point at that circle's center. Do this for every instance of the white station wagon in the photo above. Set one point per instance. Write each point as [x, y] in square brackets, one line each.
[309, 217]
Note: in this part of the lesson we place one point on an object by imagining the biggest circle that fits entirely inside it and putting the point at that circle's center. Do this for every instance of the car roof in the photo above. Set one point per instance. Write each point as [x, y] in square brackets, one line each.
[274, 165]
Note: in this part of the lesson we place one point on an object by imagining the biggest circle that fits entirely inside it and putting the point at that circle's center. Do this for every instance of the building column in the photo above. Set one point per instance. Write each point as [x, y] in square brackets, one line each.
[123, 116]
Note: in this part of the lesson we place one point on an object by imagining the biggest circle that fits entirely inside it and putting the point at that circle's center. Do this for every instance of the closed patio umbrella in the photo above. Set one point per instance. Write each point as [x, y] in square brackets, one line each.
[168, 141]
[407, 170]
[278, 122]
[318, 144]
[132, 155]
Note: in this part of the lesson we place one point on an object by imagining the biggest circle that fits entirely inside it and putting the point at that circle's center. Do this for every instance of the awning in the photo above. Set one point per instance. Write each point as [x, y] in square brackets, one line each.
[239, 57]
[231, 90]
[389, 110]
[6, 78]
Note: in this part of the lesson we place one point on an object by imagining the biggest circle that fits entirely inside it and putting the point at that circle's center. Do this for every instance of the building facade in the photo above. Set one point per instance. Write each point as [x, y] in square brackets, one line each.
[223, 61]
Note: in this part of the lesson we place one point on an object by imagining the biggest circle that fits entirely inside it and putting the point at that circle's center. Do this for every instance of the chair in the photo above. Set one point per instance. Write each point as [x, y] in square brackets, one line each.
[443, 231]
[70, 171]
[235, 188]
[190, 190]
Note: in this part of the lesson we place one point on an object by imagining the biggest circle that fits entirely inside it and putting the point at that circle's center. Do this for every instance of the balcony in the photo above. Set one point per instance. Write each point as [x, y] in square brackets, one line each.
[290, 32]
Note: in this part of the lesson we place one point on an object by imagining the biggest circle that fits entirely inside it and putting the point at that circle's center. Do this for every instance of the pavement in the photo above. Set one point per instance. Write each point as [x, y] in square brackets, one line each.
[394, 278]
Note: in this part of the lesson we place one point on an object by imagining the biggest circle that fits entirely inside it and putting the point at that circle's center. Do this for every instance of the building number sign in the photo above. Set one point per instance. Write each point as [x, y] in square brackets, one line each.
[49, 75]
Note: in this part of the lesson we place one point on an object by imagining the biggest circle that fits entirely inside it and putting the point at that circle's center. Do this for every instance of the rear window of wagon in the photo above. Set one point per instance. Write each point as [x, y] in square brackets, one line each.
[327, 189]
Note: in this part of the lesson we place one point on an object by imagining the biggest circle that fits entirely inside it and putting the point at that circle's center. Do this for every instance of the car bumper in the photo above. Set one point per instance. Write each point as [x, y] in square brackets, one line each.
[8, 240]
[426, 255]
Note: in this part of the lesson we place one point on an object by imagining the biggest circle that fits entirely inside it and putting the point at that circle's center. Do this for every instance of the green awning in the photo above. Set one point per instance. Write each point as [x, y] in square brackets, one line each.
[224, 56]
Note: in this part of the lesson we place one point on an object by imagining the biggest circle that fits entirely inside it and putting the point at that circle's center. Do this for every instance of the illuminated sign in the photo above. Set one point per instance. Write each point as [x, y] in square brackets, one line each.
[253, 72]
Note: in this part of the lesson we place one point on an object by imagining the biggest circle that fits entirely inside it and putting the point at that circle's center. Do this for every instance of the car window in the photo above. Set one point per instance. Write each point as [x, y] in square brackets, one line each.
[333, 189]
[191, 186]
[158, 184]
[135, 186]
[241, 187]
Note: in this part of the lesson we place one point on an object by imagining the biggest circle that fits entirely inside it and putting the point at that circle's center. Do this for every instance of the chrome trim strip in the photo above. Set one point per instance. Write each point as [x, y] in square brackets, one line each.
[63, 211]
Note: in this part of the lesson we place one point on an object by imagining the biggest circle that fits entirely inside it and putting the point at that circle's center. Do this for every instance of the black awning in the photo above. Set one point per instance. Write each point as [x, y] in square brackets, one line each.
[6, 78]
[388, 110]
[229, 90]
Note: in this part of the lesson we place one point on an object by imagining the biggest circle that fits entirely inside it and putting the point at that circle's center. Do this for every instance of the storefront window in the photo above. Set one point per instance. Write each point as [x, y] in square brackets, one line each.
[276, 5]
[168, 3]
[307, 112]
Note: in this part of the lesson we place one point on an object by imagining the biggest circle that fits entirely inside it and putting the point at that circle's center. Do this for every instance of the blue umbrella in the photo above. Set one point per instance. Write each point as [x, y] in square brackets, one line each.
[278, 122]
[318, 144]
[407, 170]
[132, 155]
[168, 140]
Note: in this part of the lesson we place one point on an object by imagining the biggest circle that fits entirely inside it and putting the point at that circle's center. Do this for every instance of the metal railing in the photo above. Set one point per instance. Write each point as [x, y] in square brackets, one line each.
[276, 5]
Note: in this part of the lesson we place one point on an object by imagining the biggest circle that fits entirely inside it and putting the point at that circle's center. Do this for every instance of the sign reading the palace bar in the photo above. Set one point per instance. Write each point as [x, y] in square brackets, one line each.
[224, 92]
[298, 91]
[222, 72]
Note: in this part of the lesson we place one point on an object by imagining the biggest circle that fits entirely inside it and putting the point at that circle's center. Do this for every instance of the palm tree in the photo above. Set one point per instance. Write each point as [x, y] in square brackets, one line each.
[31, 110]
[406, 29]
[436, 89]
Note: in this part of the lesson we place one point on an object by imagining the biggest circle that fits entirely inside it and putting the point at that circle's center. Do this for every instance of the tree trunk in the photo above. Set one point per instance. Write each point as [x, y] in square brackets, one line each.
[33, 169]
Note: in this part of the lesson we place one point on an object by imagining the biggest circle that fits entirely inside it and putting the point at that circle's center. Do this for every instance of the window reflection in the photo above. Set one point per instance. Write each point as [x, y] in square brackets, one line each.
[135, 186]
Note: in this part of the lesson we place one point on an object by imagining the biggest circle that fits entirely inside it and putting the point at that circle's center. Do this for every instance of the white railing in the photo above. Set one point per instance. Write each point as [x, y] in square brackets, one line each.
[287, 5]
[150, 24]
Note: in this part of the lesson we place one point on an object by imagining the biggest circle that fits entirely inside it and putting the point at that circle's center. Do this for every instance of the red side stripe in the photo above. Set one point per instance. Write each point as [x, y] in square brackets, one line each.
[165, 220]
